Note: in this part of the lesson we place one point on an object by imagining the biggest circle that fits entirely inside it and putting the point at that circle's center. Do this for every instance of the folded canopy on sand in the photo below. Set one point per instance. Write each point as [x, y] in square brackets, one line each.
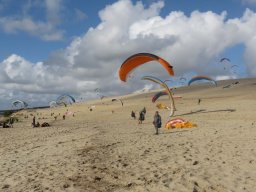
[179, 123]
[162, 106]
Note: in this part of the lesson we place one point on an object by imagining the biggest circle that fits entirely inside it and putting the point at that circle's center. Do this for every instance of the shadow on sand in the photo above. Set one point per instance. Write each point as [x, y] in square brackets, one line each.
[205, 111]
[172, 132]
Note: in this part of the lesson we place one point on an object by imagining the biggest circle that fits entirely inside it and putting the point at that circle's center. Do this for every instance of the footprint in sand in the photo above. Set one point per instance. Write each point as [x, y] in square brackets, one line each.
[195, 162]
[167, 182]
[6, 186]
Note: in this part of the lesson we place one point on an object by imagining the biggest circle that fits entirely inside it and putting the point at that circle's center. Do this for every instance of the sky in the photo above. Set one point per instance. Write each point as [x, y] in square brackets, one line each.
[54, 47]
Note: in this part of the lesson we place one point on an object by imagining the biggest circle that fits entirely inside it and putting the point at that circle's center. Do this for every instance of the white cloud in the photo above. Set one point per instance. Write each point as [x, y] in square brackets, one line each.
[223, 77]
[46, 30]
[189, 43]
[250, 56]
[146, 88]
[53, 10]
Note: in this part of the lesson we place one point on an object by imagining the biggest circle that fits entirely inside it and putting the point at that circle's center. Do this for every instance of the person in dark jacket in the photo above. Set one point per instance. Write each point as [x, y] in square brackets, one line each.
[141, 117]
[34, 122]
[157, 122]
[144, 110]
[133, 115]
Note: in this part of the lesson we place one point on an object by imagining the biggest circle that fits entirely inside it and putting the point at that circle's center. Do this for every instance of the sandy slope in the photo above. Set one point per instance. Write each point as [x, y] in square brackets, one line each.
[105, 151]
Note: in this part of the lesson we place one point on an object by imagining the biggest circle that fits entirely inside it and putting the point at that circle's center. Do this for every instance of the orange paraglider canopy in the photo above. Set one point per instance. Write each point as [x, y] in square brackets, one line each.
[139, 59]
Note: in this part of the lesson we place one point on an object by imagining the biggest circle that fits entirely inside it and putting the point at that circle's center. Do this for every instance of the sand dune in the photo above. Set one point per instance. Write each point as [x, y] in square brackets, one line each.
[105, 151]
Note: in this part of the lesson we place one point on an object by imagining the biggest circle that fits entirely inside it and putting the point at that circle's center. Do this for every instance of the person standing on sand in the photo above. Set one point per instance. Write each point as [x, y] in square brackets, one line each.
[34, 121]
[141, 117]
[157, 122]
[11, 121]
[199, 101]
[133, 115]
[144, 110]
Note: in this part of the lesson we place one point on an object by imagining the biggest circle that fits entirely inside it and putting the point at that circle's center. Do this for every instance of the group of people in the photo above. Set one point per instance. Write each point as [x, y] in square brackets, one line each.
[45, 124]
[141, 115]
[157, 119]
[8, 123]
[34, 124]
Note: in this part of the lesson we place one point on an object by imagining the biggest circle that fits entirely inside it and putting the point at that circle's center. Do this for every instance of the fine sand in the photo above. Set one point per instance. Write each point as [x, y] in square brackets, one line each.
[101, 150]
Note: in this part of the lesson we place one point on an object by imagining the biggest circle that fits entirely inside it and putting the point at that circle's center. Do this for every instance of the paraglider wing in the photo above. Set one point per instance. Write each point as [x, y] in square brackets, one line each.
[118, 100]
[158, 81]
[52, 104]
[22, 103]
[234, 69]
[25, 104]
[183, 79]
[197, 78]
[72, 98]
[65, 98]
[224, 59]
[157, 95]
[63, 103]
[172, 122]
[139, 59]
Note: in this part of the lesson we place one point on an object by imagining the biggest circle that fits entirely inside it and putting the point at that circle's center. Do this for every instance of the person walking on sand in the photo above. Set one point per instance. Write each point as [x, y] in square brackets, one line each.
[133, 115]
[34, 121]
[157, 122]
[141, 117]
[199, 101]
[144, 110]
